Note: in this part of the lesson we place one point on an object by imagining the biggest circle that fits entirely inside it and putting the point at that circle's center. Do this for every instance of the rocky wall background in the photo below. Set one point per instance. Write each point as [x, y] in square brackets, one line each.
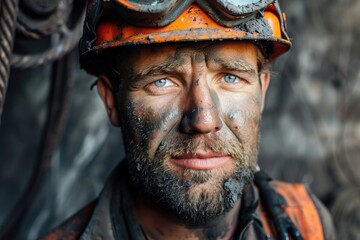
[310, 129]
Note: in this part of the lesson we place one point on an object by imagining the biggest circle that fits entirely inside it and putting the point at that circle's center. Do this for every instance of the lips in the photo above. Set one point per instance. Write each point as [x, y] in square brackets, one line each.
[201, 160]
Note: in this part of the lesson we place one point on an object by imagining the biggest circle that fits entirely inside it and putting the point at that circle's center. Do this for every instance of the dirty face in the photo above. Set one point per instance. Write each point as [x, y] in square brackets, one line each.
[190, 117]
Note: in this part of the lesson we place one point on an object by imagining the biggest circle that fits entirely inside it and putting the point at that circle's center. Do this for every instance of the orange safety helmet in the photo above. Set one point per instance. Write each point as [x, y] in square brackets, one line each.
[115, 23]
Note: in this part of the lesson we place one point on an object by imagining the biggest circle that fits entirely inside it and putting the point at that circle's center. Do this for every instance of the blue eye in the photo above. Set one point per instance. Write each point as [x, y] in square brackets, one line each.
[230, 78]
[161, 86]
[161, 82]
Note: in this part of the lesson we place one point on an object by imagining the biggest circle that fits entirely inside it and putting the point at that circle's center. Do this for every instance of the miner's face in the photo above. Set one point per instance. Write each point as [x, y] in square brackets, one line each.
[190, 117]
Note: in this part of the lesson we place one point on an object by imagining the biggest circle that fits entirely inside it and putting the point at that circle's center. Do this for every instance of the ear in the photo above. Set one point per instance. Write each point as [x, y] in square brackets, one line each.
[265, 81]
[105, 91]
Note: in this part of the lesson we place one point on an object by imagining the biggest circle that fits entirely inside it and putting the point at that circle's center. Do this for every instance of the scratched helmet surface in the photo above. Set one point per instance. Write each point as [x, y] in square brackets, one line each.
[111, 24]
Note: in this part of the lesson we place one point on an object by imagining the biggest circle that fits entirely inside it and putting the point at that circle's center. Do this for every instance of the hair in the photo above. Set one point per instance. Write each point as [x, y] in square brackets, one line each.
[263, 63]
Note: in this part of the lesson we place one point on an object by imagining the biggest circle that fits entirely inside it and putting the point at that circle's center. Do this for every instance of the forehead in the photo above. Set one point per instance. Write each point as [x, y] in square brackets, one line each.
[143, 56]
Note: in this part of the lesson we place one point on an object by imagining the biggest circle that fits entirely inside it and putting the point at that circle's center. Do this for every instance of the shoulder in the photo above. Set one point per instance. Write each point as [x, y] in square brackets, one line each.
[306, 211]
[73, 227]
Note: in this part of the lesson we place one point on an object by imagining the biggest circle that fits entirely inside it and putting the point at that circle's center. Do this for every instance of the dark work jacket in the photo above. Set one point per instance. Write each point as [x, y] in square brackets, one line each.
[112, 216]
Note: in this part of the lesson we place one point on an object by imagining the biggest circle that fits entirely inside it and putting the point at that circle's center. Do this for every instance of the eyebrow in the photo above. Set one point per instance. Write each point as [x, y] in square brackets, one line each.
[170, 65]
[236, 64]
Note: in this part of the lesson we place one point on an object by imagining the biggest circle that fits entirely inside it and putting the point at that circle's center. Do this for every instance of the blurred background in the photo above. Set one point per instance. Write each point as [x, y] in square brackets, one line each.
[54, 125]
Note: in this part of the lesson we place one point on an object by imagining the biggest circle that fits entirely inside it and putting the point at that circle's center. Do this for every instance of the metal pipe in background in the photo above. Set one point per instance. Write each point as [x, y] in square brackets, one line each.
[58, 105]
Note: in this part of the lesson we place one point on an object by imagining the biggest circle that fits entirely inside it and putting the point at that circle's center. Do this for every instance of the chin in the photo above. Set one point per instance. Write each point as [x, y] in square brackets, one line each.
[194, 197]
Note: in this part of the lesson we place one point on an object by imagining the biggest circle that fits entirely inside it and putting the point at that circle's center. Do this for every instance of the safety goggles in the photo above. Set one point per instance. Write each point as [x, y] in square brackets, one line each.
[157, 13]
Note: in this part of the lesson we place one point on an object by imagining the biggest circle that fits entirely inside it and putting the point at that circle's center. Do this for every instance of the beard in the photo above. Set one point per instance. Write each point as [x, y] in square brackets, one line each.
[195, 197]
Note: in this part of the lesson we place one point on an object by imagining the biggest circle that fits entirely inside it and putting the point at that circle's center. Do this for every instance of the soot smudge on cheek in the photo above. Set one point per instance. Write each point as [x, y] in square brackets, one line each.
[145, 123]
[246, 116]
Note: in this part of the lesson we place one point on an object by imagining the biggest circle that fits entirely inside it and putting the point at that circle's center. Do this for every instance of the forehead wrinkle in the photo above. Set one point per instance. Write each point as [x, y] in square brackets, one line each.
[172, 63]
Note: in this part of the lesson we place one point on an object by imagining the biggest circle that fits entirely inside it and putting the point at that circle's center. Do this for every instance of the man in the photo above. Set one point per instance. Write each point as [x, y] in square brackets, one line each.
[186, 82]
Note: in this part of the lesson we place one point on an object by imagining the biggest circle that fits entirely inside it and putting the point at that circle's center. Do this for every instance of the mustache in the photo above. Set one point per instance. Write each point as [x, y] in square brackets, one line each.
[190, 145]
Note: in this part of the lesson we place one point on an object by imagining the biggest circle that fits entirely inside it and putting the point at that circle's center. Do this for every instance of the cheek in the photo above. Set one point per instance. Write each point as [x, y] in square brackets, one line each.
[243, 116]
[146, 125]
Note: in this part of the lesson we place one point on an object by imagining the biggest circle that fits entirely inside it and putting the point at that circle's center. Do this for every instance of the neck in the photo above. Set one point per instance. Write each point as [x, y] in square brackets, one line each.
[159, 225]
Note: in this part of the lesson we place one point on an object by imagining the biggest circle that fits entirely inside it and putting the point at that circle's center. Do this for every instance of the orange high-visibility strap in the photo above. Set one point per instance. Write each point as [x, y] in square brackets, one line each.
[300, 208]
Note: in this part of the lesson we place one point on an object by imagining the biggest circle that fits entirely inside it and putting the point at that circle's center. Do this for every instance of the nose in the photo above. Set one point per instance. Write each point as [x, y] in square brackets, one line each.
[201, 113]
